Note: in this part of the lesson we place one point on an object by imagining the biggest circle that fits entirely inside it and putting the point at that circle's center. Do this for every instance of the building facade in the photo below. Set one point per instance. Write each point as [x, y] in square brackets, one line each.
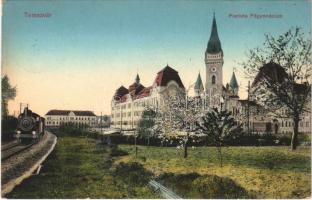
[55, 118]
[128, 103]
[226, 97]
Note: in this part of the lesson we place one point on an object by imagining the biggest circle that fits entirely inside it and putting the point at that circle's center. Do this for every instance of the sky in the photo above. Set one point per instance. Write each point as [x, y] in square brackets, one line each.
[84, 50]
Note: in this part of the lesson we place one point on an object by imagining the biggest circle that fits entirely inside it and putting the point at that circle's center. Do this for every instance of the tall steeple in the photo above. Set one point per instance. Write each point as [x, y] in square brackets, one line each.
[234, 85]
[214, 44]
[233, 82]
[137, 79]
[198, 87]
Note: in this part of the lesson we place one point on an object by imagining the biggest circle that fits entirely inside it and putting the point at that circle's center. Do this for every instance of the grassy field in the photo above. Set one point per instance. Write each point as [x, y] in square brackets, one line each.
[265, 172]
[78, 168]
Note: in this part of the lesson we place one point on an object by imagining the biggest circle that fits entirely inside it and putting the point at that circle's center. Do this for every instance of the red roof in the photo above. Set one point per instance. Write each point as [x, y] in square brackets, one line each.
[137, 90]
[144, 93]
[166, 75]
[120, 92]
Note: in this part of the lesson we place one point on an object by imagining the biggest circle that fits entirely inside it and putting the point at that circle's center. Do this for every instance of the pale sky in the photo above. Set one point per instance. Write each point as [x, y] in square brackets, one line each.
[79, 56]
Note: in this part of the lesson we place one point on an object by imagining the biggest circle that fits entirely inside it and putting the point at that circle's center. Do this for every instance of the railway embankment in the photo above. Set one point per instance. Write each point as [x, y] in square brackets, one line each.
[22, 165]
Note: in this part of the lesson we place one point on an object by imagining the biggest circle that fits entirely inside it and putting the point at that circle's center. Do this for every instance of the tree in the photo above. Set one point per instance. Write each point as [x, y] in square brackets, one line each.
[219, 126]
[179, 115]
[146, 124]
[282, 71]
[8, 93]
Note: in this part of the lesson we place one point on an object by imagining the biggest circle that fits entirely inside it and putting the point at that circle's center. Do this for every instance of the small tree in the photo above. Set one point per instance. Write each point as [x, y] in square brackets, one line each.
[8, 93]
[146, 124]
[283, 69]
[179, 115]
[218, 126]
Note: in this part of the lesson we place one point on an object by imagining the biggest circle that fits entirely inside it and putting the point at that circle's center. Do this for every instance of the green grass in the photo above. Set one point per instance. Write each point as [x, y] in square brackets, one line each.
[265, 172]
[78, 168]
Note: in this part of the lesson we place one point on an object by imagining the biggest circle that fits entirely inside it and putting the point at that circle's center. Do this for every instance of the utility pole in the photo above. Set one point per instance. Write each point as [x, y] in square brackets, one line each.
[134, 135]
[121, 118]
[248, 107]
[101, 122]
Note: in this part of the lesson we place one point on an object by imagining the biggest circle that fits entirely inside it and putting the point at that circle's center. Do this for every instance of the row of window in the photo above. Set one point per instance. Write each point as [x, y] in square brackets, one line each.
[144, 103]
[73, 118]
[136, 113]
[291, 124]
[214, 56]
[59, 123]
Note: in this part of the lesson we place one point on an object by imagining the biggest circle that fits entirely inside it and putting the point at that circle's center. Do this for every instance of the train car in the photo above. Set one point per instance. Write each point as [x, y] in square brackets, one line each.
[30, 127]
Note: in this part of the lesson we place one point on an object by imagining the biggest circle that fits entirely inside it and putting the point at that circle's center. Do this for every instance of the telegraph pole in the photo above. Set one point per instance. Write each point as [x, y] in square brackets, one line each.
[248, 107]
[101, 122]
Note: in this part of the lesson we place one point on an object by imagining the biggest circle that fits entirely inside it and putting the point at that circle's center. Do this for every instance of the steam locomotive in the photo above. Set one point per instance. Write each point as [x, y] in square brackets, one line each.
[30, 126]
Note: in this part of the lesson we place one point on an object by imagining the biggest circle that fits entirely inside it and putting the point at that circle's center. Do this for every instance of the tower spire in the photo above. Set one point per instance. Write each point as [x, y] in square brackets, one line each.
[198, 87]
[137, 79]
[214, 44]
[234, 85]
[233, 81]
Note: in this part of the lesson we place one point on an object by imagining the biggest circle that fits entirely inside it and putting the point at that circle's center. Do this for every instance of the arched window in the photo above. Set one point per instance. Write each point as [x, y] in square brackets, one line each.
[213, 79]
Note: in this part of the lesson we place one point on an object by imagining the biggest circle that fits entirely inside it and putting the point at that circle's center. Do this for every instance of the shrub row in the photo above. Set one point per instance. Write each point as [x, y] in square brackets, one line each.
[8, 127]
[238, 140]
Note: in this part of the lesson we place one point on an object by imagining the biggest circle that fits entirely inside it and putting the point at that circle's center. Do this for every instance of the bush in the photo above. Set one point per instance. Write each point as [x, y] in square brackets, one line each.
[266, 139]
[132, 173]
[212, 186]
[240, 139]
[9, 125]
[73, 129]
[117, 152]
[193, 185]
[178, 182]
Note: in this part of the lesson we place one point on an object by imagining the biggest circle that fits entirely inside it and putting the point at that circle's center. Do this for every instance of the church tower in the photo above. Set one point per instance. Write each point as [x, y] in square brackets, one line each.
[214, 64]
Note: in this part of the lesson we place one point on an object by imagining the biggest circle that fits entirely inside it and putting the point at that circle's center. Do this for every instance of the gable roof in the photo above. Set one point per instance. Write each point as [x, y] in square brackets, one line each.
[83, 113]
[58, 112]
[66, 112]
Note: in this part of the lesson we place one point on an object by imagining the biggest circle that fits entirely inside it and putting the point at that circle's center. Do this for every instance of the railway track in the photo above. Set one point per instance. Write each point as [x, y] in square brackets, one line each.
[12, 150]
[9, 145]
